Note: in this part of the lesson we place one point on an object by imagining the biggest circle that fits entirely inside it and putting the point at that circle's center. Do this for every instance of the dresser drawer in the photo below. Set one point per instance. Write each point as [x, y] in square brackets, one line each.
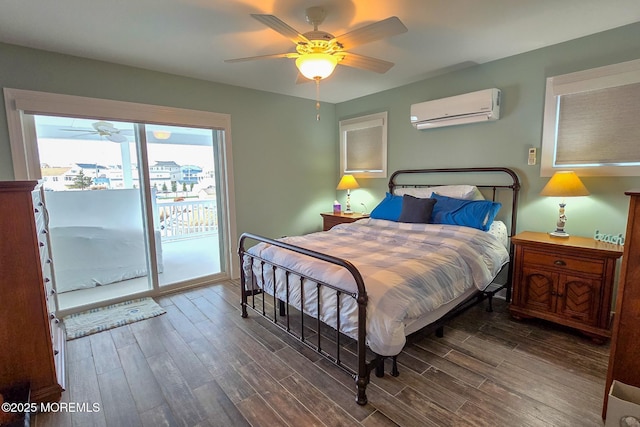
[50, 297]
[42, 247]
[54, 326]
[563, 262]
[39, 217]
[36, 197]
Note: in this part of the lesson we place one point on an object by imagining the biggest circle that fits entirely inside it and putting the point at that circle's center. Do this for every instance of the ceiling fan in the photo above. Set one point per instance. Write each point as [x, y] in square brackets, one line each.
[318, 52]
[104, 129]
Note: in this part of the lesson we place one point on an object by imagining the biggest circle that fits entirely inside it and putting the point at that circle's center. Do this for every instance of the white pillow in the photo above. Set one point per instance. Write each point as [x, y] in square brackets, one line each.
[499, 229]
[466, 192]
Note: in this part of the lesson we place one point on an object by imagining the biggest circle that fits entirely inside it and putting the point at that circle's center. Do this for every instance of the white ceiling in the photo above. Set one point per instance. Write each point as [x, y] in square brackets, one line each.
[193, 37]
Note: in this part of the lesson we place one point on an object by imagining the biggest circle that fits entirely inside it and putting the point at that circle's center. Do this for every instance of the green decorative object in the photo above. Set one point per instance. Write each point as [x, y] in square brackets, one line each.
[609, 238]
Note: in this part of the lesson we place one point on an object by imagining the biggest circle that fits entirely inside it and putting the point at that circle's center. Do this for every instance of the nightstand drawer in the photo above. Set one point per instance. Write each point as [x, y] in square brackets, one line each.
[563, 262]
[331, 221]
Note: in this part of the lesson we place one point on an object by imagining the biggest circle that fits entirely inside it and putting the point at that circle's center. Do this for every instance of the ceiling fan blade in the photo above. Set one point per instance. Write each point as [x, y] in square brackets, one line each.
[281, 27]
[78, 135]
[275, 55]
[372, 32]
[366, 63]
[117, 137]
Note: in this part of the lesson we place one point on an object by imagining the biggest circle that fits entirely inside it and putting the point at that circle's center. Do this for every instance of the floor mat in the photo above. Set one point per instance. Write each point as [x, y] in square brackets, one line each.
[101, 319]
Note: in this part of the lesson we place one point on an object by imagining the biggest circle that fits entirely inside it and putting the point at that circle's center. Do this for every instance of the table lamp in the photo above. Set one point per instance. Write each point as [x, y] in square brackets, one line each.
[563, 184]
[347, 182]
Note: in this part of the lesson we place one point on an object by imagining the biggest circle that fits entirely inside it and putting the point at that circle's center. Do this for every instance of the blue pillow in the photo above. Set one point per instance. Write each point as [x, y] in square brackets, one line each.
[415, 210]
[470, 213]
[389, 208]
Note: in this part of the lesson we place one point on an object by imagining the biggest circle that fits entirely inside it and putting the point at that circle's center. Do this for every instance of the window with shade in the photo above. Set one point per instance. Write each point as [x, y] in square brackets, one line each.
[591, 122]
[363, 146]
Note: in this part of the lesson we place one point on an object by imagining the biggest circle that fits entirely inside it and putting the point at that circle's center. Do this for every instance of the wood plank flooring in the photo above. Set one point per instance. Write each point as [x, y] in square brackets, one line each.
[201, 364]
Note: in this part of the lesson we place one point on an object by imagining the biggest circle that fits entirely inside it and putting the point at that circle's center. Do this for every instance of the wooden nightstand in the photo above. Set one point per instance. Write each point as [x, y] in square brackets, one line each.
[566, 280]
[329, 219]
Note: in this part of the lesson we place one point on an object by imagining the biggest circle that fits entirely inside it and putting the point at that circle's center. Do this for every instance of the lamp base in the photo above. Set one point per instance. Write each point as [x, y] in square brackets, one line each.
[559, 233]
[347, 212]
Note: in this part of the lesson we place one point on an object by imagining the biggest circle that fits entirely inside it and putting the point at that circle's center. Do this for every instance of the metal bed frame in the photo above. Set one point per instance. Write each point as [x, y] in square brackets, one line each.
[280, 312]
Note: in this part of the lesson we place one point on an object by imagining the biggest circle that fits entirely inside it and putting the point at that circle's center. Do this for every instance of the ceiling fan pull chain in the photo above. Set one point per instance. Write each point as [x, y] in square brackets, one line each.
[317, 99]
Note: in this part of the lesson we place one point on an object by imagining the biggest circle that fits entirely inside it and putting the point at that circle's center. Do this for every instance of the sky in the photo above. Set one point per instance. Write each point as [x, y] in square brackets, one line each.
[64, 152]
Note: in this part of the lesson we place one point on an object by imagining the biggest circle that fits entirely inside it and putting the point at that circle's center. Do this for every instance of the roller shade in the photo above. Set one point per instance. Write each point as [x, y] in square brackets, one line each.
[599, 127]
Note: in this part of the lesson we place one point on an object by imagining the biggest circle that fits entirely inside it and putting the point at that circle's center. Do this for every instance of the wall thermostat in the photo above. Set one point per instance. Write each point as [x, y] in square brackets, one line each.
[532, 157]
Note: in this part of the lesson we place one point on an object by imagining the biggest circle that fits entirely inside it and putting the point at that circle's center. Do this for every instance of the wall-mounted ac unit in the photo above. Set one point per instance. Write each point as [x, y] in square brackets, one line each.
[480, 106]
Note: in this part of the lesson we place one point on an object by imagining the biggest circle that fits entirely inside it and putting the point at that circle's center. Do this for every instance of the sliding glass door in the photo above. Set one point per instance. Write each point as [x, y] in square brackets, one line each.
[133, 207]
[127, 167]
[183, 170]
[96, 222]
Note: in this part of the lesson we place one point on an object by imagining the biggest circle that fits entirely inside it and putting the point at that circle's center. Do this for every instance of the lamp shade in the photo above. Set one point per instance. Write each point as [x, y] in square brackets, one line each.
[316, 65]
[564, 184]
[347, 182]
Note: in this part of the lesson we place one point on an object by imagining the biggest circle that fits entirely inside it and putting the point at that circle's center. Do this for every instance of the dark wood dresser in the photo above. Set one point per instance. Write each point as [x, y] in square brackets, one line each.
[624, 360]
[31, 339]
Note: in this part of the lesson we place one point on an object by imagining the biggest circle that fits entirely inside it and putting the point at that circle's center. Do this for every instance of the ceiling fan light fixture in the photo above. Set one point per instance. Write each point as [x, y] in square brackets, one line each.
[316, 66]
[162, 134]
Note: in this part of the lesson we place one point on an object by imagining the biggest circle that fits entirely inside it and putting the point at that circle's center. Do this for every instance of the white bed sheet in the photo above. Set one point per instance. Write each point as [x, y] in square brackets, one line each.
[409, 270]
[86, 256]
[414, 325]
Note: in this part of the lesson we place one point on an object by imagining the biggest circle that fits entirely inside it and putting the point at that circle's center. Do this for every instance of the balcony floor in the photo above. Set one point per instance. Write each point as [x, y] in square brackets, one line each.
[183, 260]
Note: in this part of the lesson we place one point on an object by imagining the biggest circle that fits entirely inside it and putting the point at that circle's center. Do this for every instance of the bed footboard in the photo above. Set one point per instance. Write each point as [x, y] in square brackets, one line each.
[281, 312]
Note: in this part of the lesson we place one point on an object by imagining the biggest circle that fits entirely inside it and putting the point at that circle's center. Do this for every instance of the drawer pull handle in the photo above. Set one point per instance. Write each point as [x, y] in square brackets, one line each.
[559, 262]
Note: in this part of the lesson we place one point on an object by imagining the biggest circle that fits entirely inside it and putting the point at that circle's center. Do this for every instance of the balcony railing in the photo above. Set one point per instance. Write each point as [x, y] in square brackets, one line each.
[187, 219]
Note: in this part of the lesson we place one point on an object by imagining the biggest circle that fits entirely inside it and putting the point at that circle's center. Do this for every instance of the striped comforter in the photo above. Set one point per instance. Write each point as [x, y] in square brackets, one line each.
[408, 270]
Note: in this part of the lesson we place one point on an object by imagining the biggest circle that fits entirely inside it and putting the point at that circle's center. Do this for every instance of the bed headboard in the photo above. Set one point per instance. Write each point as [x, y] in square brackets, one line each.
[489, 179]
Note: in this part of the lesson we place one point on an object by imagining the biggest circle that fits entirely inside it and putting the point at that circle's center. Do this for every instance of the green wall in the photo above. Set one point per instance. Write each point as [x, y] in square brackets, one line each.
[284, 160]
[506, 141]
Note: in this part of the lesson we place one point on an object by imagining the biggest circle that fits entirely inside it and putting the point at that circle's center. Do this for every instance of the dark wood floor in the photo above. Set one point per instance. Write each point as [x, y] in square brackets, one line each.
[201, 364]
